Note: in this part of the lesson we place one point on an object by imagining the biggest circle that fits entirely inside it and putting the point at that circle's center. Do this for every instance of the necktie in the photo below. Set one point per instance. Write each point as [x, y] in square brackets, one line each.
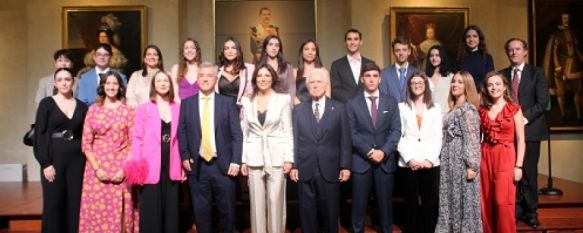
[402, 83]
[373, 110]
[207, 147]
[515, 84]
[317, 112]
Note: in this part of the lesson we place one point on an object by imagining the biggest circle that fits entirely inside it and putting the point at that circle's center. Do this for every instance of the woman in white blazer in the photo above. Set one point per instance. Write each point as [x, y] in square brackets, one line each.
[267, 150]
[419, 149]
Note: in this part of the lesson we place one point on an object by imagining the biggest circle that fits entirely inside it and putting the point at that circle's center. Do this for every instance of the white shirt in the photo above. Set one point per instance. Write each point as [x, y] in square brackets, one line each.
[321, 105]
[98, 72]
[406, 66]
[201, 103]
[355, 65]
[369, 102]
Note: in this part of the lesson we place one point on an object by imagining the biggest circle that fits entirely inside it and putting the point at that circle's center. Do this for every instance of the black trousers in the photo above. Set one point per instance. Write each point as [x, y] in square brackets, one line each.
[318, 198]
[212, 185]
[62, 197]
[159, 206]
[527, 189]
[421, 190]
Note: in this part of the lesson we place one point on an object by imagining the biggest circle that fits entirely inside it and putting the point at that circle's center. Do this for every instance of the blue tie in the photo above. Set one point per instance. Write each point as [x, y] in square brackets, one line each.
[402, 83]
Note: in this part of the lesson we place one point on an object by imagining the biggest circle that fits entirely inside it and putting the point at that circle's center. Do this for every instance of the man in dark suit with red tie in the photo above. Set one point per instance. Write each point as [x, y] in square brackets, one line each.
[322, 150]
[211, 140]
[376, 129]
[345, 72]
[529, 89]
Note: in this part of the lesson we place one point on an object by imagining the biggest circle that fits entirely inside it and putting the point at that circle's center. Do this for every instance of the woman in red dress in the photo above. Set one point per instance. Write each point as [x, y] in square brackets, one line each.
[502, 124]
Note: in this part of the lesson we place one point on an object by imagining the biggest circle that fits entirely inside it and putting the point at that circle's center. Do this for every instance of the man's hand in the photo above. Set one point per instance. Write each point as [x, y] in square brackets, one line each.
[244, 170]
[186, 164]
[287, 167]
[376, 156]
[233, 170]
[344, 175]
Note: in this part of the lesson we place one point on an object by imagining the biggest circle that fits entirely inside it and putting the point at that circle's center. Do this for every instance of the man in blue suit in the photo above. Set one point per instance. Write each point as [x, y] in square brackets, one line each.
[90, 79]
[394, 77]
[322, 149]
[210, 141]
[376, 129]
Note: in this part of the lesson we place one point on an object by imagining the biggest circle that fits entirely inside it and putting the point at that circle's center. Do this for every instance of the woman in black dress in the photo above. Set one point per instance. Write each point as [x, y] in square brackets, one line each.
[234, 76]
[308, 60]
[57, 148]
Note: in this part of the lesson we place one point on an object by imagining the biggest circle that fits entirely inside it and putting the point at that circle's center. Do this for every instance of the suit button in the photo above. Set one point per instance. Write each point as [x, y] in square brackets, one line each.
[419, 139]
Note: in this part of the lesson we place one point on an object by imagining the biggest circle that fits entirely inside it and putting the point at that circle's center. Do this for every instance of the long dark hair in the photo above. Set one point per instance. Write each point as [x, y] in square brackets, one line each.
[238, 63]
[281, 63]
[444, 66]
[427, 99]
[121, 93]
[464, 50]
[317, 61]
[274, 78]
[160, 64]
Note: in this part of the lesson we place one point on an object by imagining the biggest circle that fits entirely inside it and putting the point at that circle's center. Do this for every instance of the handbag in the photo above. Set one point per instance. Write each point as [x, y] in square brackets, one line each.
[28, 138]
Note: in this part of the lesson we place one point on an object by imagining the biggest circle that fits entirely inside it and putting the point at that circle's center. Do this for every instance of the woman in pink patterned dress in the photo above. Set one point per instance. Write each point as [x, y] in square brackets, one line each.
[106, 202]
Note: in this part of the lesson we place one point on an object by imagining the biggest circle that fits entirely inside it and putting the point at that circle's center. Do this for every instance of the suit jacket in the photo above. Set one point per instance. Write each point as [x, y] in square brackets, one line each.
[390, 81]
[245, 87]
[88, 86]
[324, 146]
[420, 143]
[146, 141]
[343, 85]
[366, 137]
[534, 98]
[270, 144]
[228, 135]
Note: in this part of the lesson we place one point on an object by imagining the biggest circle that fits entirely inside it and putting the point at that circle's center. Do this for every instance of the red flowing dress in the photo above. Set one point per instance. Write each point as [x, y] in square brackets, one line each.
[497, 170]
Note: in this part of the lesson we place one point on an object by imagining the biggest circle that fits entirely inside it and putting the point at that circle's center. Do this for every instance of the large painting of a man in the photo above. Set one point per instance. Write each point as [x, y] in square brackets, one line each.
[263, 29]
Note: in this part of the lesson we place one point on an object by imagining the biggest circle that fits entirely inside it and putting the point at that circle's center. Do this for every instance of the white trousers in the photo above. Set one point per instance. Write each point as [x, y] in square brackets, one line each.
[267, 195]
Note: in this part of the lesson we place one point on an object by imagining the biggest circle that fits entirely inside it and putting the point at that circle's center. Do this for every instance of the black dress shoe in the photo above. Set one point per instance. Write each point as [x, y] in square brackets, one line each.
[532, 222]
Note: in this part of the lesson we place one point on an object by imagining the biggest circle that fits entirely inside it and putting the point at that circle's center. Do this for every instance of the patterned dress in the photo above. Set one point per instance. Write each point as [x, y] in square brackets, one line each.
[107, 207]
[459, 199]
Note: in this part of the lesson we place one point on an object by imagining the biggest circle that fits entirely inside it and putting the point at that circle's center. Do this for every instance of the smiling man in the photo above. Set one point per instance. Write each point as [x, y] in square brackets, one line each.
[529, 89]
[394, 77]
[345, 72]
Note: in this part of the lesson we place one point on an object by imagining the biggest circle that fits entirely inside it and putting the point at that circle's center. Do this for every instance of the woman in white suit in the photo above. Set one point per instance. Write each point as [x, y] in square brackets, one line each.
[267, 150]
[419, 149]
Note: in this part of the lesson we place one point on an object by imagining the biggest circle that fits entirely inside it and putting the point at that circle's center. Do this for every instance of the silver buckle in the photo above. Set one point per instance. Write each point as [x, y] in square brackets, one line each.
[67, 135]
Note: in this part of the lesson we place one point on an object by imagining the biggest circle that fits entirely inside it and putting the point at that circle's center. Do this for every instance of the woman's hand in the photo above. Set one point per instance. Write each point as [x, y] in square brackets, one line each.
[517, 174]
[118, 177]
[470, 174]
[244, 170]
[50, 173]
[287, 166]
[101, 175]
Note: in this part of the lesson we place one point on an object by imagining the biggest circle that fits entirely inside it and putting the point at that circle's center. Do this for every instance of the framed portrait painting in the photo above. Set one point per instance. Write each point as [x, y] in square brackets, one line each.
[122, 27]
[556, 32]
[426, 27]
[250, 21]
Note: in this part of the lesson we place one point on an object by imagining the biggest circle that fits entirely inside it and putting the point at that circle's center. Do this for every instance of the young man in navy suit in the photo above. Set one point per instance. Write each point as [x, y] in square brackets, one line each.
[376, 129]
[394, 77]
[345, 72]
[210, 140]
[529, 89]
[322, 150]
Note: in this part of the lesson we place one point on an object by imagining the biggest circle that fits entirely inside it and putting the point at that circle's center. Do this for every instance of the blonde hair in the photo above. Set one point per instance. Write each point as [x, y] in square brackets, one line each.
[470, 91]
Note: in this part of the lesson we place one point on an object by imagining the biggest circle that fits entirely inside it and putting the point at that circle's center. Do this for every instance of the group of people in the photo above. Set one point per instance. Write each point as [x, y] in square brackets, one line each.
[113, 157]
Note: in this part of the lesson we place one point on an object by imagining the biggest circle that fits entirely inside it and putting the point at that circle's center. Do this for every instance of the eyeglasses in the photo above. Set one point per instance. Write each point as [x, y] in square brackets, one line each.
[417, 83]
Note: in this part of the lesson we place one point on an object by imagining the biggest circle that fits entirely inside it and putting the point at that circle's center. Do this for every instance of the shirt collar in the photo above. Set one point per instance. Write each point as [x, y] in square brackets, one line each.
[99, 71]
[375, 93]
[358, 58]
[202, 96]
[519, 67]
[404, 66]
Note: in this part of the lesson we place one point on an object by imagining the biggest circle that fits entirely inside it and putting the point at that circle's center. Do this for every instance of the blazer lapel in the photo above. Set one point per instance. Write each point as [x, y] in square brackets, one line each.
[157, 123]
[348, 71]
[366, 113]
[524, 79]
[383, 108]
[216, 115]
[308, 115]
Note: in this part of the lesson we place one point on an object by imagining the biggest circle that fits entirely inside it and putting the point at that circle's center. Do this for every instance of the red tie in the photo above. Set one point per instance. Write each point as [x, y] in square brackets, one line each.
[515, 84]
[373, 110]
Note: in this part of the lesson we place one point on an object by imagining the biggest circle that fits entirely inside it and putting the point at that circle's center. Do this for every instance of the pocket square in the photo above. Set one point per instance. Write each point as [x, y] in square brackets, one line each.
[385, 112]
